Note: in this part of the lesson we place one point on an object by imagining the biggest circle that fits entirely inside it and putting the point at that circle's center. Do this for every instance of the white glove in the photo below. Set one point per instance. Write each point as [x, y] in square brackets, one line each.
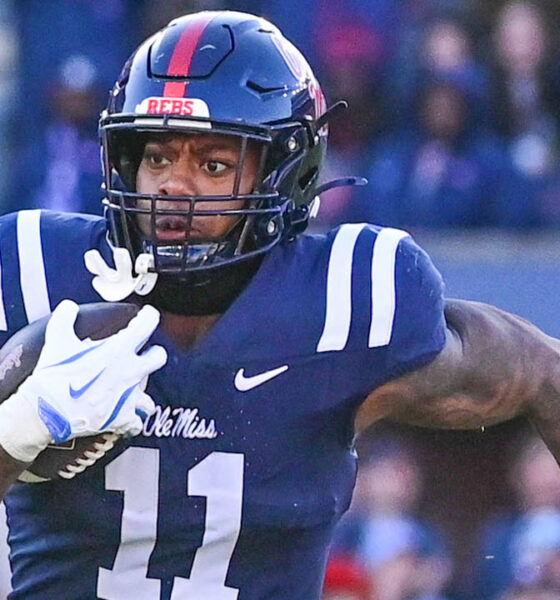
[82, 387]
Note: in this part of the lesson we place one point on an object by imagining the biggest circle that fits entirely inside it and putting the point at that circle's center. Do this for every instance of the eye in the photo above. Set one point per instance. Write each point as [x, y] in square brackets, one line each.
[155, 159]
[215, 167]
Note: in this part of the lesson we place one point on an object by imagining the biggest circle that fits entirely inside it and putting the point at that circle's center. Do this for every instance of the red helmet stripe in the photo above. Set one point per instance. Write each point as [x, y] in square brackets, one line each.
[181, 58]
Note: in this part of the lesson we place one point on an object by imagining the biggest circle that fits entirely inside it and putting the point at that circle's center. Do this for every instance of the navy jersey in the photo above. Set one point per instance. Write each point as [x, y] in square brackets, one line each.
[233, 488]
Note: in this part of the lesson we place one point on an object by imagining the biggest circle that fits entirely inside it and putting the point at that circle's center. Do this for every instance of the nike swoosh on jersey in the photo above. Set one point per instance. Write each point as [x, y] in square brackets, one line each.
[244, 384]
[77, 392]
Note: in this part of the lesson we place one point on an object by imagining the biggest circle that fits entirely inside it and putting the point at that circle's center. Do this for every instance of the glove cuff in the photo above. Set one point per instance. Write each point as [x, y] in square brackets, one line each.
[22, 433]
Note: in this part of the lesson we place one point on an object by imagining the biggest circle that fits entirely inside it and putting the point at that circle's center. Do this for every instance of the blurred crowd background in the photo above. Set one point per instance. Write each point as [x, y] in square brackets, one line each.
[454, 117]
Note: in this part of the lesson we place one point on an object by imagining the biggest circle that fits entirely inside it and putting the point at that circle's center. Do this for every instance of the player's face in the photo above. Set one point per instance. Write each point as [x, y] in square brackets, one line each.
[194, 165]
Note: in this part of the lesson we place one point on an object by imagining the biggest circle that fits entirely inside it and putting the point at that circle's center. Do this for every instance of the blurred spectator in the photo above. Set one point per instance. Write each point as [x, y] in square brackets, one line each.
[351, 132]
[62, 168]
[526, 88]
[52, 31]
[351, 67]
[448, 172]
[525, 109]
[522, 548]
[443, 168]
[353, 28]
[448, 52]
[442, 45]
[96, 37]
[404, 555]
[447, 47]
[347, 579]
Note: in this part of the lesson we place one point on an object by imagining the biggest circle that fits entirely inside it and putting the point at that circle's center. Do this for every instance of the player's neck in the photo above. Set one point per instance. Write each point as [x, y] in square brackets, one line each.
[185, 330]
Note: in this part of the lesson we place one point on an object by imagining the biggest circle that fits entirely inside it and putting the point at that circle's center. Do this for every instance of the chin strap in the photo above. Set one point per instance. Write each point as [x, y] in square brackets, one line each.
[115, 284]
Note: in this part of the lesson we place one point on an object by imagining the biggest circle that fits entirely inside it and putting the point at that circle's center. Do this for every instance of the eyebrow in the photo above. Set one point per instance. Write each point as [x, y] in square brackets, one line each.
[203, 148]
[213, 146]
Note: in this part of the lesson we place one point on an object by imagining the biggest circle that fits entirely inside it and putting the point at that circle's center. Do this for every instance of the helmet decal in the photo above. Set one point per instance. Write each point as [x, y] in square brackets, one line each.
[302, 71]
[293, 57]
[192, 107]
[181, 58]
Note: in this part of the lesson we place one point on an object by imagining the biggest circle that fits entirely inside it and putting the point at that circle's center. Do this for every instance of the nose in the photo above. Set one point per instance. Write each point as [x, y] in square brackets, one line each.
[178, 182]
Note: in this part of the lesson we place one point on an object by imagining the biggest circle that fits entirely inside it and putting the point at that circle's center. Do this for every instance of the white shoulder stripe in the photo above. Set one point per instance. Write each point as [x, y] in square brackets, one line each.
[383, 296]
[32, 275]
[339, 289]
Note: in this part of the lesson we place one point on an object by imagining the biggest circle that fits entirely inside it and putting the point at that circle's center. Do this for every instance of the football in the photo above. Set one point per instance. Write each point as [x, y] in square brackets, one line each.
[18, 358]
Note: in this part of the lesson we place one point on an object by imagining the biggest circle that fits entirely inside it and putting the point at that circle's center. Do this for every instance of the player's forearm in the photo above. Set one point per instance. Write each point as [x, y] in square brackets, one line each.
[9, 471]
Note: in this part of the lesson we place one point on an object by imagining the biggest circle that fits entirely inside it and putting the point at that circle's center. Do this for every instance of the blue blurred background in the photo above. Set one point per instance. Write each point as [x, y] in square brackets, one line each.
[454, 118]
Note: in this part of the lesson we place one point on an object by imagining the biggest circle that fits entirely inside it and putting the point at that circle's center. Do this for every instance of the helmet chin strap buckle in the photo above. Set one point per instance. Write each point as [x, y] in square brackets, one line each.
[146, 278]
[115, 284]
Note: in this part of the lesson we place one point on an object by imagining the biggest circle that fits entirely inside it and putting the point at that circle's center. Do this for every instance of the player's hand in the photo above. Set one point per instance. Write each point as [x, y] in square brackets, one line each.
[82, 387]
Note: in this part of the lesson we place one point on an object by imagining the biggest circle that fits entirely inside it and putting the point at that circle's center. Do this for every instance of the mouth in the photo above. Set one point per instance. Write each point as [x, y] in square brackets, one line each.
[173, 228]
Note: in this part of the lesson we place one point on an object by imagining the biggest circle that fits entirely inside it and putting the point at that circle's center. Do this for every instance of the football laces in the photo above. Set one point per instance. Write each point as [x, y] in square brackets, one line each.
[90, 456]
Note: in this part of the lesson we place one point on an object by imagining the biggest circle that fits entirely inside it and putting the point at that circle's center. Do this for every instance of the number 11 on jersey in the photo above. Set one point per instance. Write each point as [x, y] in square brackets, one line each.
[218, 477]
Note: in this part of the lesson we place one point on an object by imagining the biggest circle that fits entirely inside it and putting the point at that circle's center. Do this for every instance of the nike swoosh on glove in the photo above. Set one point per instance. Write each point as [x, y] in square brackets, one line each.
[82, 387]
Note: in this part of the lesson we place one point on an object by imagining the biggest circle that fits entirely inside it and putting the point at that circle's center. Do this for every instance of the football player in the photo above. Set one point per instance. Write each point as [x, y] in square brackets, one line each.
[280, 346]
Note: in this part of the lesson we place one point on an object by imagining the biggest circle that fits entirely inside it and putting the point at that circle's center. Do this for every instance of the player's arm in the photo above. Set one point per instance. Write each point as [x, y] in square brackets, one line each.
[10, 469]
[494, 366]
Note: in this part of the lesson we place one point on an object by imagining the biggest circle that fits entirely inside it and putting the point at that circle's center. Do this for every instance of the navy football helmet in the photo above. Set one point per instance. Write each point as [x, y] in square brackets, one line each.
[225, 73]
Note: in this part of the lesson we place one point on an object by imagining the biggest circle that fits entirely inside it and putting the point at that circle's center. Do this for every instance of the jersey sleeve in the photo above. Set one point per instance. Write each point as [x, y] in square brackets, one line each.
[383, 314]
[418, 330]
[41, 263]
